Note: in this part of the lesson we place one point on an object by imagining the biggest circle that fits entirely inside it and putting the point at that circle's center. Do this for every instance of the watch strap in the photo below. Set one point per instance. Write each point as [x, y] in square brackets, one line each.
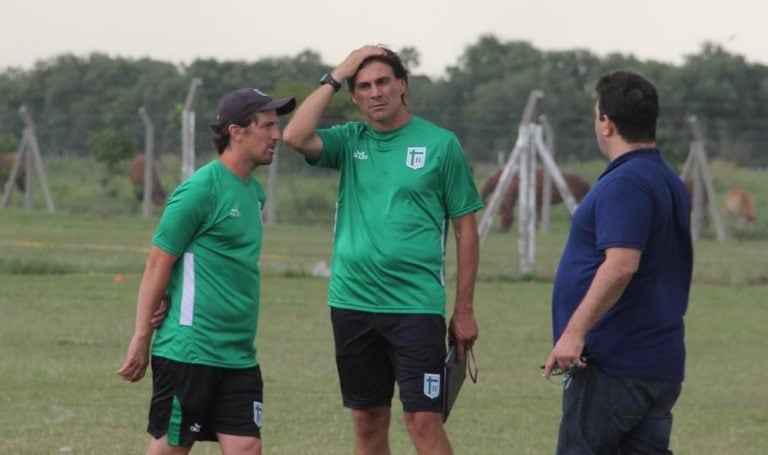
[328, 79]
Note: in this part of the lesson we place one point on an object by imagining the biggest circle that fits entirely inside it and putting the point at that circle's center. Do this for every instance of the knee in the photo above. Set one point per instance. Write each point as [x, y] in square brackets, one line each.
[423, 424]
[239, 444]
[370, 422]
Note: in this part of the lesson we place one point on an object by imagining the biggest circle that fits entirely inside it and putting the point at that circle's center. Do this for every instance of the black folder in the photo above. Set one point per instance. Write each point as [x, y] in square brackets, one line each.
[454, 374]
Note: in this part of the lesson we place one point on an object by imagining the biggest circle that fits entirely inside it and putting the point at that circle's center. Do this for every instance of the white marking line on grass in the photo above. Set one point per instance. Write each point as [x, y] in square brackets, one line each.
[101, 247]
[55, 415]
[76, 246]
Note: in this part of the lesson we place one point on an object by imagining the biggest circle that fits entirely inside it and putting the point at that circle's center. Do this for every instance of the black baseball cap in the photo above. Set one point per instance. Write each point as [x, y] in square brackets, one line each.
[245, 101]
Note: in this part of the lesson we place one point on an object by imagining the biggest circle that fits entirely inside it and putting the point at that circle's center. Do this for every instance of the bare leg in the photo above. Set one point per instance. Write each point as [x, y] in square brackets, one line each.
[371, 430]
[161, 447]
[239, 445]
[427, 432]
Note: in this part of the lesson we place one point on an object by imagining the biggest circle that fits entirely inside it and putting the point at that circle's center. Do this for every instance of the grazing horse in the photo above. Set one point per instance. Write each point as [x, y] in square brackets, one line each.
[7, 160]
[576, 184]
[741, 205]
[137, 178]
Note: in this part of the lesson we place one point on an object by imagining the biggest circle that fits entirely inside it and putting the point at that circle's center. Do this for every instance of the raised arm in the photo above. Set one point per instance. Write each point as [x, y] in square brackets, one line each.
[300, 133]
[151, 293]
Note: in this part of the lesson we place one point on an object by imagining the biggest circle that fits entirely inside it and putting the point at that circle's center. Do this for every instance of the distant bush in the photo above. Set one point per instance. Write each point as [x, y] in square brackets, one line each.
[33, 266]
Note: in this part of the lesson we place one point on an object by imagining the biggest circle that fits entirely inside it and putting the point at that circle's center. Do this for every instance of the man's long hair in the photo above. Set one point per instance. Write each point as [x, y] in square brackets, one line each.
[389, 58]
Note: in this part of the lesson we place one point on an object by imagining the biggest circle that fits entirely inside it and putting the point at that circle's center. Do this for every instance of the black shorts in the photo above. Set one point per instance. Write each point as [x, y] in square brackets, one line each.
[195, 402]
[373, 350]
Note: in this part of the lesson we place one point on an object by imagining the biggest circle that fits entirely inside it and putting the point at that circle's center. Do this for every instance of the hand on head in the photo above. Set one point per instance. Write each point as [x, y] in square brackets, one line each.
[350, 65]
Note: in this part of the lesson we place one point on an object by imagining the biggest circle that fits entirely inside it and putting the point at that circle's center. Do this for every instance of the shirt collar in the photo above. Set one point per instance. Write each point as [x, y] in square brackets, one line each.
[648, 152]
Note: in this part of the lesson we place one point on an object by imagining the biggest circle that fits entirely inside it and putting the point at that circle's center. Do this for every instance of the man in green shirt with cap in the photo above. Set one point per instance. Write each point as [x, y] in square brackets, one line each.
[205, 254]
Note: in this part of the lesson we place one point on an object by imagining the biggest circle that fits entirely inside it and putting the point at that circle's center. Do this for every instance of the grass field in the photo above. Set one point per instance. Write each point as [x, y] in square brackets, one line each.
[66, 323]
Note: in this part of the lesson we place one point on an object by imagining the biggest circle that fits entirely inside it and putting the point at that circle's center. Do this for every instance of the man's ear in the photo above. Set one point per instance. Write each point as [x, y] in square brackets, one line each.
[607, 127]
[234, 131]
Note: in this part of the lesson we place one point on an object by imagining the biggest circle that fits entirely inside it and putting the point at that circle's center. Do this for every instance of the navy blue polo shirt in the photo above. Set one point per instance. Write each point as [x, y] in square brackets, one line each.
[638, 202]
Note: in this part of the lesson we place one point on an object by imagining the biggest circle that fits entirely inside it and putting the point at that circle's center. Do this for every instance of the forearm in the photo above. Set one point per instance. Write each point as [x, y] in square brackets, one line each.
[147, 304]
[300, 133]
[151, 291]
[609, 283]
[467, 265]
[467, 260]
[463, 326]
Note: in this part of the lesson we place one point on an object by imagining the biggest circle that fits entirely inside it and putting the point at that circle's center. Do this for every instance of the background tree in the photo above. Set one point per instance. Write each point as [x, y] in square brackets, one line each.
[110, 147]
[480, 97]
[728, 95]
[8, 143]
[411, 58]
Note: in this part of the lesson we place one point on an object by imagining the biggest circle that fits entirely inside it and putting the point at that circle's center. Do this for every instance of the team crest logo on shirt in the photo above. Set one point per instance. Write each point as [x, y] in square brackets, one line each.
[416, 157]
[431, 385]
[258, 413]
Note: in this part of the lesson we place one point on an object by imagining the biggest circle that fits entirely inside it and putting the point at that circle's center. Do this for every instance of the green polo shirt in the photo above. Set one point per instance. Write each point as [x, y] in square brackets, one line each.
[398, 191]
[213, 224]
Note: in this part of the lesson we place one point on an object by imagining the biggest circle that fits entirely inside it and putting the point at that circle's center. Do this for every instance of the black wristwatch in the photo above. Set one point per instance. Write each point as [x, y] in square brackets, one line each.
[328, 79]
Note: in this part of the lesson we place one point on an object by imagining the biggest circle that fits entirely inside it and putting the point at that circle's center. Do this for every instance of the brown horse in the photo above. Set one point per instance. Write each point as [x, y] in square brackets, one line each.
[741, 205]
[7, 160]
[137, 178]
[576, 184]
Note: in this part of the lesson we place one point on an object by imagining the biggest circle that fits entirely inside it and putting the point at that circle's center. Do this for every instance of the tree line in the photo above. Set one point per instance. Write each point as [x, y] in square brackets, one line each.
[480, 97]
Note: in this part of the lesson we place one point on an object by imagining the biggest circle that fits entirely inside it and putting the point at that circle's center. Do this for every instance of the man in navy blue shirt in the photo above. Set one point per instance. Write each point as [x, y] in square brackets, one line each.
[622, 286]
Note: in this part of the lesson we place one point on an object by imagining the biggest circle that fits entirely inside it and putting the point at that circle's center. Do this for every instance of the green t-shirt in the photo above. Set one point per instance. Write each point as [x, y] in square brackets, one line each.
[397, 192]
[213, 223]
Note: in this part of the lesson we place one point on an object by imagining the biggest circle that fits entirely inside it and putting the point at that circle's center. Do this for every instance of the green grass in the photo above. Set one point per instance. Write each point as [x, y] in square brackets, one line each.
[306, 195]
[66, 324]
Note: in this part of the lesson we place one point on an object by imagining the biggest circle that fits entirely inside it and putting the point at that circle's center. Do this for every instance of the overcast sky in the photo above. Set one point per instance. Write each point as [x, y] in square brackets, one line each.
[180, 31]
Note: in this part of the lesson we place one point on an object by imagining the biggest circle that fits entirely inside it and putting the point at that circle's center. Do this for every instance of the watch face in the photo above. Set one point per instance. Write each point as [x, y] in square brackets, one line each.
[328, 79]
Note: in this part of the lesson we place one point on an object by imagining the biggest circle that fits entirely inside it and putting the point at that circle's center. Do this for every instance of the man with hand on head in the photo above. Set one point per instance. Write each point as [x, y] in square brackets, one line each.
[207, 383]
[402, 180]
[622, 286]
